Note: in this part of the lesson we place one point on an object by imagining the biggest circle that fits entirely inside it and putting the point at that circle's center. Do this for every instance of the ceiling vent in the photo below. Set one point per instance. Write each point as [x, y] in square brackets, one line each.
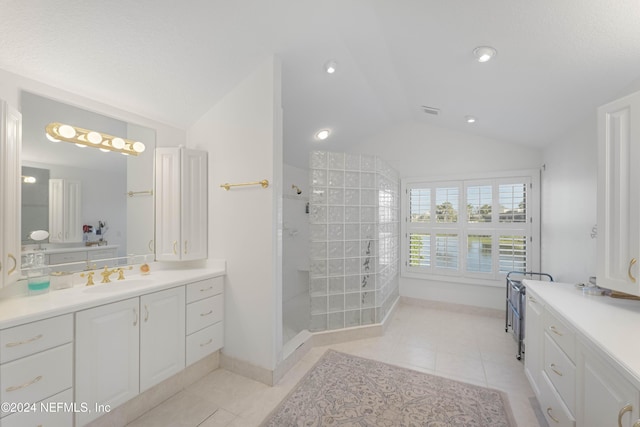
[431, 110]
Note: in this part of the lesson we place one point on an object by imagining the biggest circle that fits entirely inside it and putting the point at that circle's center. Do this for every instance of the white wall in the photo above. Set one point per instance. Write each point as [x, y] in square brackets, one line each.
[295, 252]
[569, 186]
[423, 150]
[243, 136]
[11, 85]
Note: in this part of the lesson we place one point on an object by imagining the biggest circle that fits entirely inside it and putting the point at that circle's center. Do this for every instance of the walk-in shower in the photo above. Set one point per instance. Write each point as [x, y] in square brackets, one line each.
[351, 249]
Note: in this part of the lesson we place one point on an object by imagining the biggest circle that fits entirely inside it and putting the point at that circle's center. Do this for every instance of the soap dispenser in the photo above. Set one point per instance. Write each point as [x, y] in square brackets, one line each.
[38, 275]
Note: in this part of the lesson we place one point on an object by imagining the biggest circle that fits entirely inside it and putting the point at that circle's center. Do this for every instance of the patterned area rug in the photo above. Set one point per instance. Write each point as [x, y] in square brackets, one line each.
[345, 390]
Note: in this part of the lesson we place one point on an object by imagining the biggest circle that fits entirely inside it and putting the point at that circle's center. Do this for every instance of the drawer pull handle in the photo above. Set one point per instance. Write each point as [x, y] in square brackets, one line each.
[18, 387]
[551, 416]
[206, 289]
[15, 344]
[146, 313]
[206, 314]
[624, 410]
[175, 247]
[207, 343]
[631, 264]
[135, 312]
[636, 424]
[553, 368]
[185, 247]
[533, 300]
[555, 331]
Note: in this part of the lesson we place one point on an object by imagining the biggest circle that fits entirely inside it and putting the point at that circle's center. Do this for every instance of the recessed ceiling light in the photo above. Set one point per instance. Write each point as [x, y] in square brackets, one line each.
[330, 67]
[484, 53]
[323, 134]
[470, 119]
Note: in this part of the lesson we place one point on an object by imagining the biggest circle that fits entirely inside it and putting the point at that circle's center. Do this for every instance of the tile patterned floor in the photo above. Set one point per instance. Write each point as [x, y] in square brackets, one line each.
[470, 348]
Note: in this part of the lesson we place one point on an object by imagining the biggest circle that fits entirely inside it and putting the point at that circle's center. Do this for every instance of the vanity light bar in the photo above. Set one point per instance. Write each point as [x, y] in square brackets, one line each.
[90, 138]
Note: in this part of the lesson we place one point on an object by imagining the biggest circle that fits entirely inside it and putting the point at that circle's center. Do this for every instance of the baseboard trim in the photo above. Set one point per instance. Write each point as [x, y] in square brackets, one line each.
[449, 306]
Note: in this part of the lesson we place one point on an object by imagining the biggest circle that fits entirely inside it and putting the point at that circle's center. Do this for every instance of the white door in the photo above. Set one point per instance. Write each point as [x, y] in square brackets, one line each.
[162, 336]
[194, 205]
[107, 356]
[619, 195]
[167, 204]
[10, 193]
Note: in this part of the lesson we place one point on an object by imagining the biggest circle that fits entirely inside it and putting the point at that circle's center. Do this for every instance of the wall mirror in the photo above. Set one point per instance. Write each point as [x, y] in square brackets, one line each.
[115, 189]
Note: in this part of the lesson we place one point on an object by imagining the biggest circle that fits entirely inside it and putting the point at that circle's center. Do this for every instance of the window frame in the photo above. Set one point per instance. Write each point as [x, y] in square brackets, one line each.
[463, 228]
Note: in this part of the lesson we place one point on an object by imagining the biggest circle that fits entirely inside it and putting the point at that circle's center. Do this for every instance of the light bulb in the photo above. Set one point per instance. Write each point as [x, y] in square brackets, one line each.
[94, 138]
[138, 147]
[81, 145]
[322, 134]
[117, 143]
[470, 119]
[330, 67]
[104, 150]
[67, 131]
[484, 53]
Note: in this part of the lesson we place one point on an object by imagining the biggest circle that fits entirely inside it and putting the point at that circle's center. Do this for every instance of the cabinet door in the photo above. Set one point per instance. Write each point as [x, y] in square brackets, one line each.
[619, 195]
[72, 211]
[167, 204]
[107, 356]
[604, 396]
[162, 336]
[65, 211]
[534, 332]
[194, 205]
[10, 193]
[56, 210]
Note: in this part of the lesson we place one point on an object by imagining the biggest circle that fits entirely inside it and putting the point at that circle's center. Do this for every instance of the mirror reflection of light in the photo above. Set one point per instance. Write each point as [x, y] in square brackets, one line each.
[138, 147]
[29, 179]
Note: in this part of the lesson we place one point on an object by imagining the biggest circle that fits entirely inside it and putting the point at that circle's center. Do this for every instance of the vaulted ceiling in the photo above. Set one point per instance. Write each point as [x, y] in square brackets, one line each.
[171, 61]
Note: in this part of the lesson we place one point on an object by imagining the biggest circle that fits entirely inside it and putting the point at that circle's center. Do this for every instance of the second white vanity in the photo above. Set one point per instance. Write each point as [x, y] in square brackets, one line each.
[93, 348]
[582, 358]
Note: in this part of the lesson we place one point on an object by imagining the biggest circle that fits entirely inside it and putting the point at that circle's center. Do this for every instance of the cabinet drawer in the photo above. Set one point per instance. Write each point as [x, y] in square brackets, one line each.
[37, 377]
[554, 410]
[561, 371]
[63, 258]
[33, 337]
[204, 312]
[561, 333]
[57, 415]
[204, 342]
[205, 288]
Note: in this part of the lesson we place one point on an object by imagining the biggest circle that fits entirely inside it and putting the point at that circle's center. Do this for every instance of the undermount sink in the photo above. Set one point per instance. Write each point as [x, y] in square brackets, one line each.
[116, 286]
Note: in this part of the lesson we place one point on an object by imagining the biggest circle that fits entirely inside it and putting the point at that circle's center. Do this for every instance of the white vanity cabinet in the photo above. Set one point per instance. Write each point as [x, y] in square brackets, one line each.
[534, 334]
[576, 378]
[65, 211]
[205, 312]
[10, 193]
[126, 347]
[605, 397]
[107, 356]
[180, 204]
[36, 367]
[619, 195]
[162, 335]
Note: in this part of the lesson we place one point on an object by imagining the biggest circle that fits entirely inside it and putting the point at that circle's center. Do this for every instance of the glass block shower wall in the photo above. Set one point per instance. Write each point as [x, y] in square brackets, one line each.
[354, 231]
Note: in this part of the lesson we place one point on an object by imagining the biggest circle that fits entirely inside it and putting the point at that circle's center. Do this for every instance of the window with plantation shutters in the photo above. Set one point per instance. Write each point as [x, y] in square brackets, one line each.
[475, 228]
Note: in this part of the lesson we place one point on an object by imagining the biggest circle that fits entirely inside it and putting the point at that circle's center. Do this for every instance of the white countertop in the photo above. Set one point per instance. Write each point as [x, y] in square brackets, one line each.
[23, 309]
[610, 323]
